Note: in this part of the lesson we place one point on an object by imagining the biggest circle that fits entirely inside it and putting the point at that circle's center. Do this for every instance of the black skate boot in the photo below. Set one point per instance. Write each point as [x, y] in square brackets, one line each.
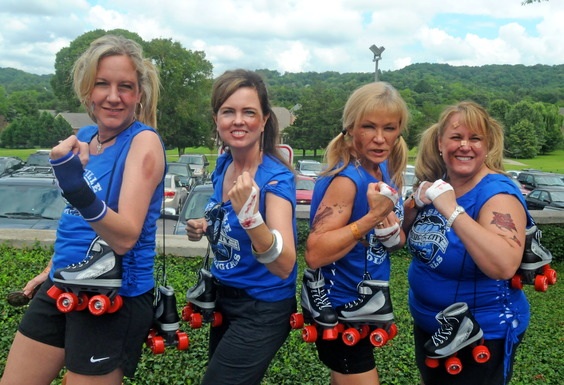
[315, 302]
[373, 305]
[100, 272]
[535, 265]
[458, 330]
[165, 331]
[371, 314]
[200, 300]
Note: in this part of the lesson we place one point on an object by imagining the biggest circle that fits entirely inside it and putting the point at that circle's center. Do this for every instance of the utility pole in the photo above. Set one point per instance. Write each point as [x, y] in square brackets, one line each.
[377, 56]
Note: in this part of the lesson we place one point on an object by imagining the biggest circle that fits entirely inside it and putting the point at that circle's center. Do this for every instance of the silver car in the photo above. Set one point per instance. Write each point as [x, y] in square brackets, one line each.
[175, 193]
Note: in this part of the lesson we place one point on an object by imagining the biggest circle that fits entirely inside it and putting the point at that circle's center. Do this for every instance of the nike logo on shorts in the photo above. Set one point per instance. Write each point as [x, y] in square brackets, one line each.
[94, 360]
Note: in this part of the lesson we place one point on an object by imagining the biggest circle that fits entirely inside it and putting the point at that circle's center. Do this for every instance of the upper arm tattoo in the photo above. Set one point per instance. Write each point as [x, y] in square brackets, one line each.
[504, 222]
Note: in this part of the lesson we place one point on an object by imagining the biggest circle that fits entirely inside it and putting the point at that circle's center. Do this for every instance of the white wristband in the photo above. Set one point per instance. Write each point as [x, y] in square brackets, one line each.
[247, 217]
[457, 211]
[273, 251]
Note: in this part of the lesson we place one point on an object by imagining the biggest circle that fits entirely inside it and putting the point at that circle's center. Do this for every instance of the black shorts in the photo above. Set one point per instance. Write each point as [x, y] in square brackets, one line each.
[341, 358]
[473, 373]
[94, 345]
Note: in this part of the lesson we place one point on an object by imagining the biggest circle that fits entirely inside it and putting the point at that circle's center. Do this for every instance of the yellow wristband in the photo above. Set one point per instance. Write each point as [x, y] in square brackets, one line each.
[354, 229]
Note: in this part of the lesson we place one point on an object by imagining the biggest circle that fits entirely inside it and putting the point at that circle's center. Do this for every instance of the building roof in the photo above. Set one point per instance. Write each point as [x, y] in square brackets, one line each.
[76, 119]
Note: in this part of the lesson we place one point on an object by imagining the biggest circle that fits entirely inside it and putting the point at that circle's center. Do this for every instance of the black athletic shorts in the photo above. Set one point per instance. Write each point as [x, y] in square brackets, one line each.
[94, 345]
[341, 358]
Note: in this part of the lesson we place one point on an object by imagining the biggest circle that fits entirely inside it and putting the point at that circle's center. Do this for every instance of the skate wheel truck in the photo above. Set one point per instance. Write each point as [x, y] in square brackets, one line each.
[541, 278]
[453, 364]
[379, 334]
[312, 331]
[76, 298]
[196, 316]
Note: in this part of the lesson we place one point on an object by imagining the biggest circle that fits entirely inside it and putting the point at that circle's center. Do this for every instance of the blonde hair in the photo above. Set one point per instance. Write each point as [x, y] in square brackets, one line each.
[429, 164]
[370, 98]
[86, 67]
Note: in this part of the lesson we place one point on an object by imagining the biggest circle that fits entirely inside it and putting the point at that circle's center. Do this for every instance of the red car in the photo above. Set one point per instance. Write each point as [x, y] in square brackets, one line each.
[304, 189]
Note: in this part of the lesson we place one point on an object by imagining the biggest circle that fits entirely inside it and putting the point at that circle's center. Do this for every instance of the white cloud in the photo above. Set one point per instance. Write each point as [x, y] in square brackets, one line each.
[297, 35]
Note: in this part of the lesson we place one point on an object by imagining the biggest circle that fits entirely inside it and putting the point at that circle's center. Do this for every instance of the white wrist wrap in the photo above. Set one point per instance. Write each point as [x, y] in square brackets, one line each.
[389, 192]
[273, 251]
[389, 236]
[438, 188]
[418, 202]
[247, 216]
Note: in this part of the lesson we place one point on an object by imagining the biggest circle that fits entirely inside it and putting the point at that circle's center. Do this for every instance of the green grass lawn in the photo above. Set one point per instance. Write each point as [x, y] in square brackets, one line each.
[538, 361]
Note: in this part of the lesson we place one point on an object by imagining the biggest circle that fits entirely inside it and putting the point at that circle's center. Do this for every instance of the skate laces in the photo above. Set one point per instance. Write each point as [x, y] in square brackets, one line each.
[81, 263]
[320, 298]
[442, 335]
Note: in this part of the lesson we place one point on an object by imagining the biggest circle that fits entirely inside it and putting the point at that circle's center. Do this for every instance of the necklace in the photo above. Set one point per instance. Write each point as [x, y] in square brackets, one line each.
[102, 142]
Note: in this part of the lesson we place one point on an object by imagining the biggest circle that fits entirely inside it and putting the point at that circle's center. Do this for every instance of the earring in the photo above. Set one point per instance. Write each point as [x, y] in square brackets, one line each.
[440, 153]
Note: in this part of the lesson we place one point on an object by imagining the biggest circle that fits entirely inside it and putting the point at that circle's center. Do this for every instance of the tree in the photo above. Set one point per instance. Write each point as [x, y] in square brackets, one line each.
[522, 140]
[67, 56]
[525, 111]
[184, 114]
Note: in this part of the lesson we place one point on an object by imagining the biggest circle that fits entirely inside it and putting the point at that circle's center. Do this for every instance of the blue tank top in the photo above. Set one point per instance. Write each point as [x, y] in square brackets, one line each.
[104, 174]
[234, 265]
[442, 272]
[343, 276]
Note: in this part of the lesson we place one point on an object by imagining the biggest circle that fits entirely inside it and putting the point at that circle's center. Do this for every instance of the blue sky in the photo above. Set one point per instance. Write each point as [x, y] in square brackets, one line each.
[297, 35]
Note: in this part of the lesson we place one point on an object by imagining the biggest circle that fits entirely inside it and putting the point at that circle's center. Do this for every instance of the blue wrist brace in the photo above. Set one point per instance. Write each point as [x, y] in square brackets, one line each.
[69, 173]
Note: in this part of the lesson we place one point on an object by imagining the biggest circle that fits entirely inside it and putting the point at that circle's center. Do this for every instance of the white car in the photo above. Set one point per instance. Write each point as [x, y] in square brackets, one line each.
[175, 194]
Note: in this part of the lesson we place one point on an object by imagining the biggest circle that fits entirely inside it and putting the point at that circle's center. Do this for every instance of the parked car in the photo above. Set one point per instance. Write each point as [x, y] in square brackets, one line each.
[184, 172]
[30, 200]
[541, 197]
[310, 168]
[9, 164]
[198, 163]
[175, 193]
[194, 206]
[304, 189]
[533, 179]
[39, 158]
[523, 190]
[408, 182]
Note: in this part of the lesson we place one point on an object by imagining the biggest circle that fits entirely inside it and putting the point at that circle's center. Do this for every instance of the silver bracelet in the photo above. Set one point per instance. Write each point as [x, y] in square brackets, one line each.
[273, 251]
[457, 211]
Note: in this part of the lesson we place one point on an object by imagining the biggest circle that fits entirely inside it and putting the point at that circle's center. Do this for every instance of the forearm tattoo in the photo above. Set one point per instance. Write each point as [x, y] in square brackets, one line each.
[504, 222]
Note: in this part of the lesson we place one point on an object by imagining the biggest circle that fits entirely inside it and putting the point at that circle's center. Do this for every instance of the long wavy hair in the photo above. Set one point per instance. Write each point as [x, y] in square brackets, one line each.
[429, 164]
[86, 67]
[371, 98]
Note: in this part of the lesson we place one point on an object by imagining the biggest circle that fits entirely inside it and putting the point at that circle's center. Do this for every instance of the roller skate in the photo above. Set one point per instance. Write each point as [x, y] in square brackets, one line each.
[165, 330]
[371, 315]
[200, 304]
[535, 266]
[93, 283]
[316, 309]
[458, 330]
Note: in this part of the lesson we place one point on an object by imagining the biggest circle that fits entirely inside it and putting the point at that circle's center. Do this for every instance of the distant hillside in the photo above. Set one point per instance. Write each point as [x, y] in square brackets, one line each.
[16, 80]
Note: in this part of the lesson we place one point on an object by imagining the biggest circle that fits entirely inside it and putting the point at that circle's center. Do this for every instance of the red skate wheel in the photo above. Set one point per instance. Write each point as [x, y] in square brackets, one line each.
[551, 276]
[67, 302]
[54, 292]
[453, 365]
[541, 283]
[297, 321]
[99, 304]
[431, 362]
[82, 302]
[393, 331]
[517, 282]
[150, 336]
[157, 345]
[187, 312]
[183, 340]
[351, 336]
[116, 304]
[481, 354]
[309, 333]
[195, 320]
[330, 334]
[340, 328]
[379, 337]
[217, 319]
